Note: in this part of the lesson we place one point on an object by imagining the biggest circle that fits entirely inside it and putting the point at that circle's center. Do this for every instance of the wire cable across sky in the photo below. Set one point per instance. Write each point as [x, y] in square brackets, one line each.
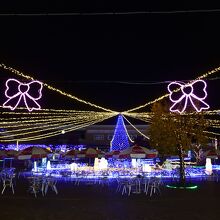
[114, 13]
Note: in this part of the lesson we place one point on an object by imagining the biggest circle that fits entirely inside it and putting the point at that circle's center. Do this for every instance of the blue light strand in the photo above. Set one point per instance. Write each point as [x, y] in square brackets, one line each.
[120, 140]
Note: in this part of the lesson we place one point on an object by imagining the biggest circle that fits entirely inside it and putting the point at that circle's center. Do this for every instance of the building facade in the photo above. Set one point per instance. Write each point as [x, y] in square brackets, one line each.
[101, 135]
[97, 136]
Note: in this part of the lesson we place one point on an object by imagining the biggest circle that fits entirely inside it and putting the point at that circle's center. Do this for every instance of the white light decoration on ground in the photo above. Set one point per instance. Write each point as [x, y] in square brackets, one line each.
[18, 91]
[48, 165]
[186, 94]
[73, 167]
[208, 166]
[35, 166]
[44, 162]
[96, 164]
[134, 163]
[103, 164]
[146, 168]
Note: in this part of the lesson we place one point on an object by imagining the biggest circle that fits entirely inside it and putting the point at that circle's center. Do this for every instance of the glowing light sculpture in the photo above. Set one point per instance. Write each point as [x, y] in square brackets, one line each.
[103, 164]
[96, 164]
[44, 162]
[120, 140]
[185, 93]
[146, 168]
[134, 163]
[16, 91]
[48, 165]
[73, 167]
[35, 166]
[208, 166]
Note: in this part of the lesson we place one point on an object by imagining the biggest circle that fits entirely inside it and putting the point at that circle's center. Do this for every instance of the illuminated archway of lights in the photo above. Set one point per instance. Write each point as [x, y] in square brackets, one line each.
[26, 126]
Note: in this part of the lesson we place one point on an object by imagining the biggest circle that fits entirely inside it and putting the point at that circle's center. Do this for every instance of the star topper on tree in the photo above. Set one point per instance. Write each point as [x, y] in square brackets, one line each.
[17, 91]
[183, 94]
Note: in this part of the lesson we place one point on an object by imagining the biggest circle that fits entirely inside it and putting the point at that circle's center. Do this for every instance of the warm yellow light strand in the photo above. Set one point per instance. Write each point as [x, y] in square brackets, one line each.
[209, 132]
[43, 125]
[33, 124]
[53, 88]
[48, 127]
[135, 128]
[146, 117]
[51, 134]
[166, 95]
[45, 118]
[81, 115]
[29, 124]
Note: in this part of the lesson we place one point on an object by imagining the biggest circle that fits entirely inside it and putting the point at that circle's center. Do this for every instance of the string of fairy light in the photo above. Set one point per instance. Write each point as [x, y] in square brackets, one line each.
[18, 73]
[146, 116]
[26, 126]
[31, 126]
[44, 131]
[53, 125]
[205, 75]
[54, 133]
[136, 128]
[45, 123]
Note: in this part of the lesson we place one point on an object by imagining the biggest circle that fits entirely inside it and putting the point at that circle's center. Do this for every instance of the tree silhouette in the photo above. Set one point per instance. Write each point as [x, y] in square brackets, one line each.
[174, 133]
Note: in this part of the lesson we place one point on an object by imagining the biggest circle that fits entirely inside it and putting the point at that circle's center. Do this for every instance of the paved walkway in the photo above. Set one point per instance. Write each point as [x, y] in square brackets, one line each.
[90, 202]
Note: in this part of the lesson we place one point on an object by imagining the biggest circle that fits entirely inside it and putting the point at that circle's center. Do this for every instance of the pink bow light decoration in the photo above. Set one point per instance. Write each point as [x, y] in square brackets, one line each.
[17, 92]
[194, 93]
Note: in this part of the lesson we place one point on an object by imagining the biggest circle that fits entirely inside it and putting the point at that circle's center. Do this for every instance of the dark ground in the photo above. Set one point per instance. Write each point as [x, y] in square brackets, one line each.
[103, 203]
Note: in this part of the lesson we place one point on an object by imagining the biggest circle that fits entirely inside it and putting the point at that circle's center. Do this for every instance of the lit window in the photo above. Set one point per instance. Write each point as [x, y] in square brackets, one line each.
[99, 137]
[110, 137]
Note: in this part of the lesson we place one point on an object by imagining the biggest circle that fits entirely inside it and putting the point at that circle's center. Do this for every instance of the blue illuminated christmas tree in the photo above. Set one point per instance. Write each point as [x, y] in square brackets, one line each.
[120, 140]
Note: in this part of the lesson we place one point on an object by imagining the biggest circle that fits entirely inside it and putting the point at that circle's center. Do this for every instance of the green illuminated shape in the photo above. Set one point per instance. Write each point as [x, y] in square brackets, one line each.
[182, 187]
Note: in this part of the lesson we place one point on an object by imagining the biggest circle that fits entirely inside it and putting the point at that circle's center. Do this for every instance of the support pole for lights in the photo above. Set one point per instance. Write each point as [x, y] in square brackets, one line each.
[17, 147]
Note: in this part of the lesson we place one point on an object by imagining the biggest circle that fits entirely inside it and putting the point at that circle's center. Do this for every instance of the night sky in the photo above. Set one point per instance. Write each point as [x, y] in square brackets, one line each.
[111, 60]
